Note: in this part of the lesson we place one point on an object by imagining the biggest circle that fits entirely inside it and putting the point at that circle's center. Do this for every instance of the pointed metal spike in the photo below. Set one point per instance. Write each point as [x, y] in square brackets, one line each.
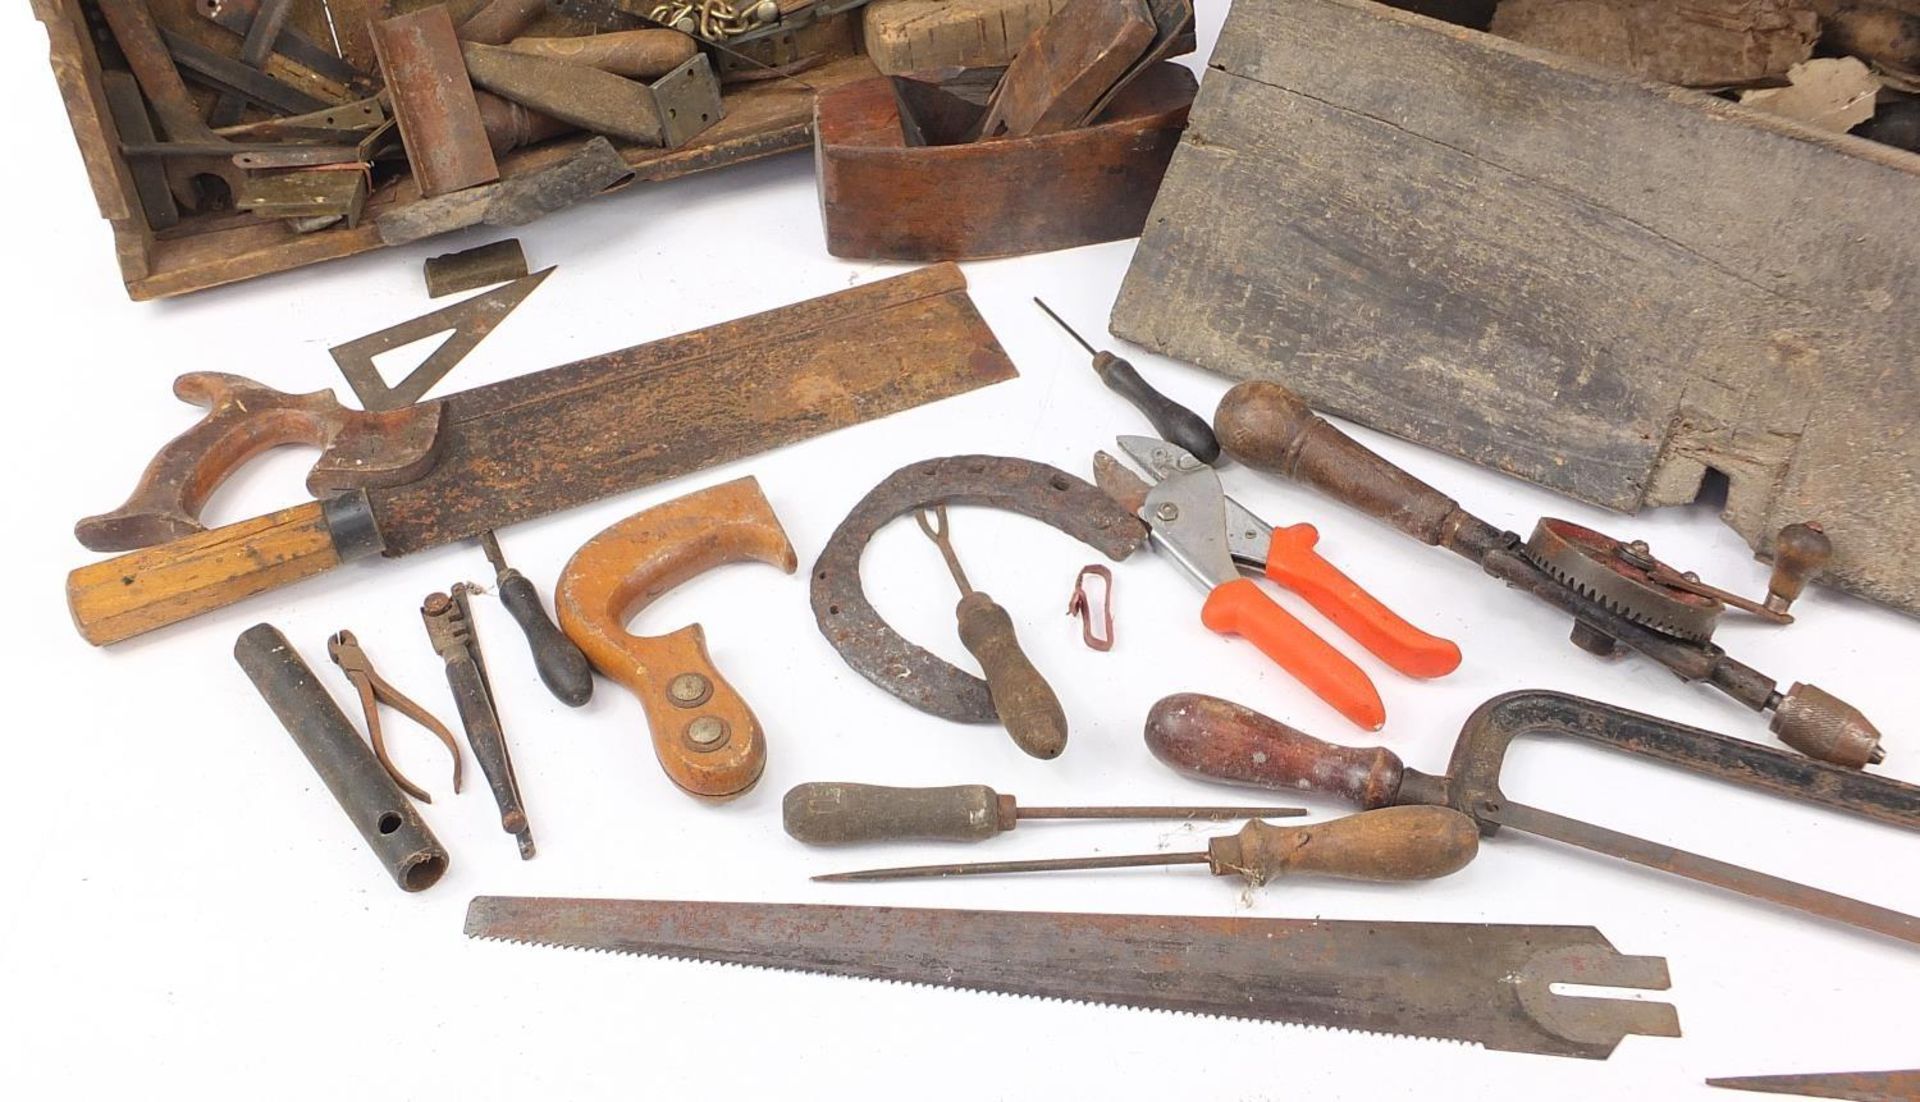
[1859, 1086]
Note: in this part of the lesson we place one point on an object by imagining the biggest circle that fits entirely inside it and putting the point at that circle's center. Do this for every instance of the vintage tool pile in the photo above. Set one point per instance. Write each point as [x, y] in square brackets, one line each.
[409, 472]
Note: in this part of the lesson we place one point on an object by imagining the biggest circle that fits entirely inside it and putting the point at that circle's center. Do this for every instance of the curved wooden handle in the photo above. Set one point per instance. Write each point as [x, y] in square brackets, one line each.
[1240, 608]
[156, 586]
[1388, 845]
[1292, 562]
[357, 450]
[1218, 740]
[706, 737]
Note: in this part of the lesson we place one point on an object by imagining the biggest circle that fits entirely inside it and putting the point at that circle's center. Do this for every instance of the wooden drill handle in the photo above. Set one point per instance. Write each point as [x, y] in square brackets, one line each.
[1267, 427]
[1204, 736]
[1023, 700]
[706, 737]
[1389, 845]
[243, 419]
[831, 813]
[157, 586]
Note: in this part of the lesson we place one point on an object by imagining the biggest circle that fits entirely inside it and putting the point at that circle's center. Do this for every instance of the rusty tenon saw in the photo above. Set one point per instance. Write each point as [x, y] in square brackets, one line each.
[1483, 984]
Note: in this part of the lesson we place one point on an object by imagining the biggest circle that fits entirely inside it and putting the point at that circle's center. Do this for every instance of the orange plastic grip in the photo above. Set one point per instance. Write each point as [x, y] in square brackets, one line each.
[1240, 608]
[1292, 561]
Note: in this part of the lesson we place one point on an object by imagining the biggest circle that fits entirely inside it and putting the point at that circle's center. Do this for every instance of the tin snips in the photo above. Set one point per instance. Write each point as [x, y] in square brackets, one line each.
[1191, 519]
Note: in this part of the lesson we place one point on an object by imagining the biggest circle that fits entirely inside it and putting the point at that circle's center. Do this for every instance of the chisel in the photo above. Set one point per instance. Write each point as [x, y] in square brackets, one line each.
[827, 813]
[1388, 845]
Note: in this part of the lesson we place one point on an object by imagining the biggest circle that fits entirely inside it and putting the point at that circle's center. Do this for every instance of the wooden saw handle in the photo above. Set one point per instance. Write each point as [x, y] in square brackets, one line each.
[243, 419]
[706, 737]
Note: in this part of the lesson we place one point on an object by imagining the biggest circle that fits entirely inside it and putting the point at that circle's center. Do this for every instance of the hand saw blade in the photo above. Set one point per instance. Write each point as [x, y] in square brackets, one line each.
[1482, 984]
[1858, 1086]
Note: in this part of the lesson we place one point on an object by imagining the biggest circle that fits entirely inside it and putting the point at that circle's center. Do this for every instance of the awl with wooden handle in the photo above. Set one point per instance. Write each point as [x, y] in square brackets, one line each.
[1174, 422]
[830, 813]
[1393, 844]
[1027, 706]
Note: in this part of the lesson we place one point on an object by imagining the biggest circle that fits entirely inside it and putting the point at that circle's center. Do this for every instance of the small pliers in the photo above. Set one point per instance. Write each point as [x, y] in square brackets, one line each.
[375, 690]
[1190, 517]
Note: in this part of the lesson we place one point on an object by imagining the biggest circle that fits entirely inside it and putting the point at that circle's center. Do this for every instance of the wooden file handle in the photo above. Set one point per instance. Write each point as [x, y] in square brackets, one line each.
[156, 586]
[707, 739]
[357, 450]
[1218, 740]
[1389, 845]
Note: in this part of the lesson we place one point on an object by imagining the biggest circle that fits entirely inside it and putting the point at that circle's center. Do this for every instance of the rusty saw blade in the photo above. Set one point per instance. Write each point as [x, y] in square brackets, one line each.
[1858, 1086]
[1478, 983]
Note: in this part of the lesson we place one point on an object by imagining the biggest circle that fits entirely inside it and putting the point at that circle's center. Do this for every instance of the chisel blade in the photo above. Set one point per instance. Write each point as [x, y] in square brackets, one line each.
[1477, 983]
[1859, 1086]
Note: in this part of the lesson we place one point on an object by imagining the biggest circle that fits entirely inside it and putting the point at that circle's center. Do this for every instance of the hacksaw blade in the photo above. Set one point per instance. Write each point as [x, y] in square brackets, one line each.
[1479, 983]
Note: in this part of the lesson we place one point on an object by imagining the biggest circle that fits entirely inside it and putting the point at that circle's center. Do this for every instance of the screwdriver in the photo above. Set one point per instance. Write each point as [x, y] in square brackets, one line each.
[1391, 844]
[1175, 423]
[1025, 703]
[831, 813]
[562, 666]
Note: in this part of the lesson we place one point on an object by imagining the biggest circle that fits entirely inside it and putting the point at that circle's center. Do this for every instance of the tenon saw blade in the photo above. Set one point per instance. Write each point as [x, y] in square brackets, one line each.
[1479, 983]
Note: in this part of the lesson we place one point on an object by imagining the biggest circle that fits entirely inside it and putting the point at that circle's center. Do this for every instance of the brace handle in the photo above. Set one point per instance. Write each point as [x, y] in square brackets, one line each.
[1214, 739]
[357, 451]
[1293, 562]
[1239, 607]
[705, 736]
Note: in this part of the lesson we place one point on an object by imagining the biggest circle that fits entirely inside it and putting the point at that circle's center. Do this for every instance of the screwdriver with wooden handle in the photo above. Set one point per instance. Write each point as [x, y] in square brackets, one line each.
[1023, 700]
[1175, 423]
[1389, 845]
[831, 813]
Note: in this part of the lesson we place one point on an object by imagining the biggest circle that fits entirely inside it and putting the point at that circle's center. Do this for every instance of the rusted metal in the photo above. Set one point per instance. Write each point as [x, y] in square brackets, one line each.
[374, 690]
[1027, 706]
[198, 184]
[449, 621]
[1215, 739]
[1081, 606]
[544, 442]
[836, 813]
[471, 269]
[1480, 983]
[1857, 1086]
[391, 826]
[238, 15]
[334, 192]
[515, 201]
[226, 75]
[470, 322]
[1624, 577]
[878, 652]
[1266, 426]
[133, 126]
[256, 46]
[432, 97]
[244, 419]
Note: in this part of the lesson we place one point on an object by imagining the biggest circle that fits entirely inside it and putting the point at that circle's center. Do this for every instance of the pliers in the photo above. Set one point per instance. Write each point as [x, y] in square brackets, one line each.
[1190, 518]
[374, 691]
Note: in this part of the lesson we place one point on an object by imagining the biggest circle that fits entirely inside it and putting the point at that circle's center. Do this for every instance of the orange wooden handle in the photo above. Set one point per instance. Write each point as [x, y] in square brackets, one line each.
[157, 586]
[1240, 608]
[1292, 561]
[707, 739]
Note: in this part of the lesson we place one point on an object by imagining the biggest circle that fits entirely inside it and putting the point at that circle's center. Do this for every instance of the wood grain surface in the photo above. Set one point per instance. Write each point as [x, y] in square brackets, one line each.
[1606, 287]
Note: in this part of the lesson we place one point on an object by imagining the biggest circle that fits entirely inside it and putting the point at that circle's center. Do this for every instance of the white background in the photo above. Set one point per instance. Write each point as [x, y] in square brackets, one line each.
[184, 910]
